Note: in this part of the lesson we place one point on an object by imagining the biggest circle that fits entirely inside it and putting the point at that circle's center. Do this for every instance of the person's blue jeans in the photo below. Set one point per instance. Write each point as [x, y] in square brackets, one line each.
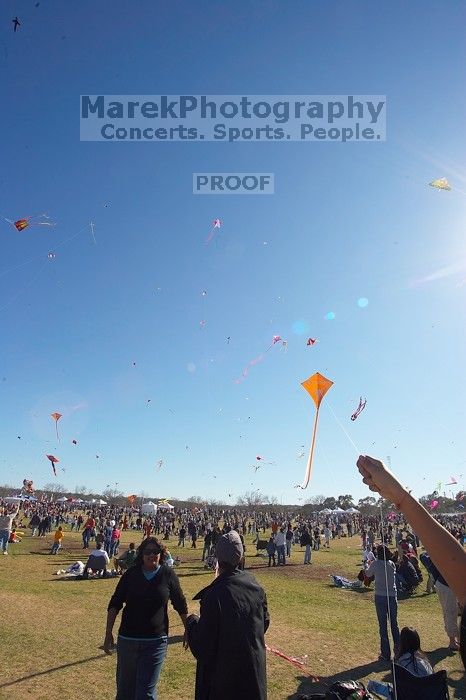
[281, 554]
[307, 554]
[382, 610]
[4, 537]
[288, 548]
[138, 667]
[55, 548]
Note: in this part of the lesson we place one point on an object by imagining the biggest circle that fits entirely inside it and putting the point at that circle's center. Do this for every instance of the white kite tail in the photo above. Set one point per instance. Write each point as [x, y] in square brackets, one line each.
[307, 476]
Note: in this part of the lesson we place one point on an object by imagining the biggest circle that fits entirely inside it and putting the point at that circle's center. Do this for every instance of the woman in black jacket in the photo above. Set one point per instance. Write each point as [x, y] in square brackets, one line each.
[144, 590]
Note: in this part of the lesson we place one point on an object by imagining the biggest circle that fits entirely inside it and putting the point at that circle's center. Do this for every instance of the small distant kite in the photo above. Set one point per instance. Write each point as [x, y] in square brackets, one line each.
[316, 386]
[202, 323]
[216, 224]
[311, 341]
[452, 481]
[433, 504]
[16, 24]
[131, 498]
[75, 442]
[56, 417]
[51, 256]
[275, 339]
[53, 461]
[159, 465]
[440, 184]
[21, 224]
[360, 408]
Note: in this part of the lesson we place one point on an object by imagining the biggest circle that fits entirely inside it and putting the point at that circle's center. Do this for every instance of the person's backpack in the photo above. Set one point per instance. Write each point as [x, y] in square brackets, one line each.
[348, 690]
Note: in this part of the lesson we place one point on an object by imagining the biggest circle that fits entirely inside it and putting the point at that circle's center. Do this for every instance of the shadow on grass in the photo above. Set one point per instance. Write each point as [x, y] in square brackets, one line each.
[52, 670]
[307, 686]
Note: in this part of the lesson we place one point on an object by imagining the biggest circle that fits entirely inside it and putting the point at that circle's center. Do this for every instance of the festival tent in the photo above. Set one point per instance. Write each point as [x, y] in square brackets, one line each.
[98, 502]
[352, 510]
[63, 499]
[338, 511]
[149, 508]
[326, 511]
[164, 505]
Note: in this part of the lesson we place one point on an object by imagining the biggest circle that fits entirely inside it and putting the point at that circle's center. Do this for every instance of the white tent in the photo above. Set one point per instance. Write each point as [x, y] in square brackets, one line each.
[63, 499]
[149, 508]
[352, 510]
[326, 511]
[338, 510]
[164, 505]
[98, 502]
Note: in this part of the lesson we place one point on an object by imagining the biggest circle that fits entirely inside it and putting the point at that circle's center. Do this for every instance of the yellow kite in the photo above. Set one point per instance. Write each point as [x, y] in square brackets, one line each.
[317, 386]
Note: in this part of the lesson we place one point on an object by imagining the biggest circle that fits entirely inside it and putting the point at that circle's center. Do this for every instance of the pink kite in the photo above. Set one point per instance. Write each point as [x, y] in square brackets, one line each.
[295, 661]
[216, 223]
[56, 417]
[433, 504]
[452, 482]
[275, 339]
[311, 341]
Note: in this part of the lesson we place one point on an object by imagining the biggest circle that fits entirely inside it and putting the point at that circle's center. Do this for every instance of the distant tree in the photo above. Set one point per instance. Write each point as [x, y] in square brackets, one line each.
[198, 500]
[81, 490]
[330, 503]
[345, 502]
[54, 488]
[367, 505]
[316, 501]
[7, 490]
[112, 493]
[252, 498]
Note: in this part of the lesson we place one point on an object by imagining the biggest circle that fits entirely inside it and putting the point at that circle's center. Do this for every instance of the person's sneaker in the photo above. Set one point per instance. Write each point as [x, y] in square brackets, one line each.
[5, 552]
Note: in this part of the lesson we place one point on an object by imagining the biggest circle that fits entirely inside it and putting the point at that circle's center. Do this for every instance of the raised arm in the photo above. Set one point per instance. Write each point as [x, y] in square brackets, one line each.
[445, 551]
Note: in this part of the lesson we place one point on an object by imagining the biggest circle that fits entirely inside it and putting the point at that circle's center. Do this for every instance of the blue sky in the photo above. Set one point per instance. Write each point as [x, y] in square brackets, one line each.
[346, 221]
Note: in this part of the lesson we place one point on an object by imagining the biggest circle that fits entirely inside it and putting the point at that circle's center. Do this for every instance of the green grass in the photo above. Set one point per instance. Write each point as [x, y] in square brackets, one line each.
[51, 630]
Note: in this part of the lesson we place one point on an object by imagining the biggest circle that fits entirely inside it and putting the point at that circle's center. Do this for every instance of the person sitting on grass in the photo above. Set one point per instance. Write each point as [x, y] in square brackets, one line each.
[410, 655]
[101, 556]
[14, 539]
[127, 560]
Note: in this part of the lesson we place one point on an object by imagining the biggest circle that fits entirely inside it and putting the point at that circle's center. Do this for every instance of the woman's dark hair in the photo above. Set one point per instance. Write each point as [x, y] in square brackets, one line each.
[409, 641]
[155, 544]
[383, 552]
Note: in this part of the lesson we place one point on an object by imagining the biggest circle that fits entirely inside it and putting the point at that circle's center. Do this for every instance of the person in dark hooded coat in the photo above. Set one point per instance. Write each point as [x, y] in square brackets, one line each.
[228, 637]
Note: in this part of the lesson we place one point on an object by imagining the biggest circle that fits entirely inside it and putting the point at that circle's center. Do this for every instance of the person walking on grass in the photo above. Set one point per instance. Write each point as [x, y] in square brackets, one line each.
[57, 538]
[306, 541]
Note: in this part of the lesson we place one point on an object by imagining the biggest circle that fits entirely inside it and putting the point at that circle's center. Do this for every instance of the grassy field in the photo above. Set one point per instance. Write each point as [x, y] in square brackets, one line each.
[51, 630]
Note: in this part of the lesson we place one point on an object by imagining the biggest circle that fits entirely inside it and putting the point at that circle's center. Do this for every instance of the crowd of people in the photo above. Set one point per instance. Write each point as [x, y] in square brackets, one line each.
[227, 638]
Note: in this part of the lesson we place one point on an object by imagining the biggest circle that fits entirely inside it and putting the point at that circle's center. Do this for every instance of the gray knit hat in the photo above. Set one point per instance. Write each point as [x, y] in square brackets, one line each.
[229, 549]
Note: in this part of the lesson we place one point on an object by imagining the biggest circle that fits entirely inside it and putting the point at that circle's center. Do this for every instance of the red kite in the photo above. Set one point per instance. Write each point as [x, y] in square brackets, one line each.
[53, 461]
[317, 386]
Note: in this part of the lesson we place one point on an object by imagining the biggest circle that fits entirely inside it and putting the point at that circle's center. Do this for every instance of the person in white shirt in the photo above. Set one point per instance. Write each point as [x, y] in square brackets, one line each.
[6, 521]
[280, 542]
[100, 553]
[386, 604]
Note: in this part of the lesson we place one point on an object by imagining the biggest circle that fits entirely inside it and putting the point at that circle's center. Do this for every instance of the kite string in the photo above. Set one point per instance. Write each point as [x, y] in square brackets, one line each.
[358, 451]
[392, 662]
